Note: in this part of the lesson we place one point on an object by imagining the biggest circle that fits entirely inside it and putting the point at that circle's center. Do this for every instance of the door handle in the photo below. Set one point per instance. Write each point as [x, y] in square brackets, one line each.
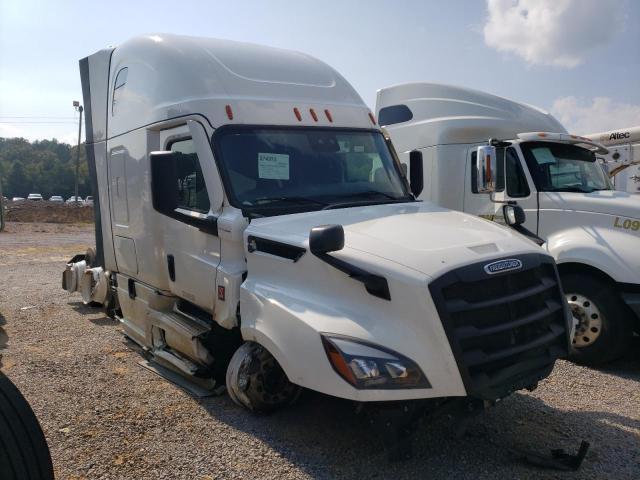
[171, 265]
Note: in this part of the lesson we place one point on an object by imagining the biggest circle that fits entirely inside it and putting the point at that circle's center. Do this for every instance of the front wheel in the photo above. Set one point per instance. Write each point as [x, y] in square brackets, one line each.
[256, 381]
[604, 327]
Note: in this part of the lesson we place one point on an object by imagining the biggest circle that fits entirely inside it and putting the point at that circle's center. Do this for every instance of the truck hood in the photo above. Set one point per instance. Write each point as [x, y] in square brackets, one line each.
[420, 236]
[610, 202]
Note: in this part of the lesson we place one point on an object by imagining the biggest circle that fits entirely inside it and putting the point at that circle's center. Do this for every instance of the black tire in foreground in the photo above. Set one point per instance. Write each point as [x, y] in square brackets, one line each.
[24, 454]
[605, 328]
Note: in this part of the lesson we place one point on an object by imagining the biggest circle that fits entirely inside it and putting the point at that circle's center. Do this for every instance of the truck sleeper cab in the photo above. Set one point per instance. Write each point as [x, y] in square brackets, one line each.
[590, 229]
[254, 230]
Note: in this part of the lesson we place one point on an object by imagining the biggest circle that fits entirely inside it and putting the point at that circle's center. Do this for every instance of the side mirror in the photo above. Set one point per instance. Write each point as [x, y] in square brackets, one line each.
[416, 176]
[513, 215]
[163, 174]
[487, 165]
[326, 238]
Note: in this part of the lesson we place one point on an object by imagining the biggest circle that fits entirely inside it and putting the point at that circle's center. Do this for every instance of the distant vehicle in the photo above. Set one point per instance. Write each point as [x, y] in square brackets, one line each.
[36, 197]
[88, 201]
[622, 163]
[74, 199]
[17, 199]
[56, 199]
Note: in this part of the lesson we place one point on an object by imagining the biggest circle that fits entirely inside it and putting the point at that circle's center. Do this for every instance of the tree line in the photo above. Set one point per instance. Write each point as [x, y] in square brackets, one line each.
[43, 166]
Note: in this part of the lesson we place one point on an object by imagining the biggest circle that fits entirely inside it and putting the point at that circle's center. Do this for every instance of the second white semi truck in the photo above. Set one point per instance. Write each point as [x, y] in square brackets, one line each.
[592, 230]
[622, 162]
[254, 230]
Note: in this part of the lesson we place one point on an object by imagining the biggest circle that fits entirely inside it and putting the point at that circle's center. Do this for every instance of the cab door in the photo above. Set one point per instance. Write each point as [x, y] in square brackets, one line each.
[513, 185]
[191, 243]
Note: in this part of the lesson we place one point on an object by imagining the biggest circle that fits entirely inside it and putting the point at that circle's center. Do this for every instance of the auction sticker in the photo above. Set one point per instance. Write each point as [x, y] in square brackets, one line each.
[273, 166]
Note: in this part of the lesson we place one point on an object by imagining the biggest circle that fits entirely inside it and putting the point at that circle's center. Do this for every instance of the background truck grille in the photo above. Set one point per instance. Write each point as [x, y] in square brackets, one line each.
[507, 329]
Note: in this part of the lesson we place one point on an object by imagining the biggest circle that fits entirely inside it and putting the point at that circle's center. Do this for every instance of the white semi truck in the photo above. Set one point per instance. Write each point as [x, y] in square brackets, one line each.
[622, 162]
[591, 230]
[254, 230]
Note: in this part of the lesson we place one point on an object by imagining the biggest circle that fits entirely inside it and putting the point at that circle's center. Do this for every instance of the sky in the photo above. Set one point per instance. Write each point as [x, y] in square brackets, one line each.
[579, 59]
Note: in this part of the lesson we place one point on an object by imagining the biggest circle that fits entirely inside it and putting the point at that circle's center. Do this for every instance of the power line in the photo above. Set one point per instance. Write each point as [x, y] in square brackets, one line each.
[40, 123]
[39, 117]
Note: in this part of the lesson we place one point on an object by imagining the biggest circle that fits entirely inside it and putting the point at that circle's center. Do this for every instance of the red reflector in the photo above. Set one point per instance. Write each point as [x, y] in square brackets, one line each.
[298, 114]
[328, 114]
[229, 112]
[373, 119]
[220, 292]
[313, 114]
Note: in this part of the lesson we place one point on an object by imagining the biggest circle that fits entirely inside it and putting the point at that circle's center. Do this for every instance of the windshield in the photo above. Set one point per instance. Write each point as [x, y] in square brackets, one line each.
[272, 171]
[559, 167]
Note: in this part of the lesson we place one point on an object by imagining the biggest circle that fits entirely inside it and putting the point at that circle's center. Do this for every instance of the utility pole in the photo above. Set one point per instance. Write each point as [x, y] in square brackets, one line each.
[79, 108]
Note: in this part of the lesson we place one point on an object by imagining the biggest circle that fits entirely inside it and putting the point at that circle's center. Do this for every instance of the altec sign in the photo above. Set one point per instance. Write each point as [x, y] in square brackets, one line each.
[619, 135]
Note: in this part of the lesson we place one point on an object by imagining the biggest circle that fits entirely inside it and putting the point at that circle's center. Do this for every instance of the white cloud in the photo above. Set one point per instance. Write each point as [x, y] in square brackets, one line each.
[599, 115]
[551, 32]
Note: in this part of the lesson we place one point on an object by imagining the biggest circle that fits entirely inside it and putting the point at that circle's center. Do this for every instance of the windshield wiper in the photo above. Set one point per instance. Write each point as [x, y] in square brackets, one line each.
[570, 189]
[269, 200]
[365, 193]
[370, 193]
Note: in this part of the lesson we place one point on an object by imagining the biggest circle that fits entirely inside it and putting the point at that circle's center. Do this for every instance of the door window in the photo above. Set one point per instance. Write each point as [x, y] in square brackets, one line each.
[189, 182]
[516, 181]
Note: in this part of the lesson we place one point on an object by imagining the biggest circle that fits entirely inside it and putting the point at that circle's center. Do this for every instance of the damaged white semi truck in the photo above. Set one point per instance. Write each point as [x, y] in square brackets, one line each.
[254, 229]
[592, 230]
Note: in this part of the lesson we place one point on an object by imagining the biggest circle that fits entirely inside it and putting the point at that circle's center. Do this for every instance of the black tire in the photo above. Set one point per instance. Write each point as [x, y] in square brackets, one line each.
[257, 382]
[24, 454]
[616, 324]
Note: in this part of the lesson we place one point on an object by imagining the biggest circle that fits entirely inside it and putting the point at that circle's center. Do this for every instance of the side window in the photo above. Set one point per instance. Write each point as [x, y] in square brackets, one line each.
[118, 89]
[189, 182]
[516, 181]
[394, 114]
[474, 173]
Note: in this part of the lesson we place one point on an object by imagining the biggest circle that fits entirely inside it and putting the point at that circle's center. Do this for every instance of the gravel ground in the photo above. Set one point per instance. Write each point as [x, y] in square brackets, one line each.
[106, 417]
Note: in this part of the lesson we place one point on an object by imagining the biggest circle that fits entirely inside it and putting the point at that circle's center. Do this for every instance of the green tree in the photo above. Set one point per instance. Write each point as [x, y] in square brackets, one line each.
[17, 181]
[43, 166]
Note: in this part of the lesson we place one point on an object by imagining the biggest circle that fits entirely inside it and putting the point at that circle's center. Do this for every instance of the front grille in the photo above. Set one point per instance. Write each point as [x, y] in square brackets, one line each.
[507, 329]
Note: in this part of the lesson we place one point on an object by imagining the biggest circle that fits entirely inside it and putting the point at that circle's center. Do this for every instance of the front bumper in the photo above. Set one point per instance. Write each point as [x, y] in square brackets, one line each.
[633, 301]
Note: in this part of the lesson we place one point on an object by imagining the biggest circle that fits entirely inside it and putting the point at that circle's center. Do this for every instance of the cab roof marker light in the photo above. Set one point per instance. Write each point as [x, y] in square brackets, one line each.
[328, 114]
[297, 113]
[227, 109]
[541, 134]
[313, 114]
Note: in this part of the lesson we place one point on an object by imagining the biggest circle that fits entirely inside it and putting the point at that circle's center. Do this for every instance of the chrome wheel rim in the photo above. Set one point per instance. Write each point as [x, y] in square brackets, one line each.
[589, 320]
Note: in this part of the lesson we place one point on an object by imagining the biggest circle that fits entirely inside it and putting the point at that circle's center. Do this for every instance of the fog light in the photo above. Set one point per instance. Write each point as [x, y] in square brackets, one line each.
[362, 368]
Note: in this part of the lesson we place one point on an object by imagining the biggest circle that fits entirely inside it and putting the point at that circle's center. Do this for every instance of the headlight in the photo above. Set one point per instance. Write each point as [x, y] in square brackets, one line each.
[365, 365]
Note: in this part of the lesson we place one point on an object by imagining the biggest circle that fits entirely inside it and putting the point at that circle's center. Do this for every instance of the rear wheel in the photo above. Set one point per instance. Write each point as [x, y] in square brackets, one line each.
[604, 327]
[256, 381]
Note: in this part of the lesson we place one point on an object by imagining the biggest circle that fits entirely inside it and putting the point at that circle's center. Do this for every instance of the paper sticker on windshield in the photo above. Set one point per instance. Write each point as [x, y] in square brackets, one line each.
[273, 166]
[543, 156]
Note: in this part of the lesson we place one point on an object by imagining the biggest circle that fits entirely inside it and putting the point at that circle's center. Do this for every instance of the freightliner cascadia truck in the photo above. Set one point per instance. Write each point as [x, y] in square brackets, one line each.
[255, 231]
[591, 230]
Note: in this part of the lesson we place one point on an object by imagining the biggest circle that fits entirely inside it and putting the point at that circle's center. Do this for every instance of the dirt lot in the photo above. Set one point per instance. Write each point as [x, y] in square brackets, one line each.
[106, 417]
[29, 211]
